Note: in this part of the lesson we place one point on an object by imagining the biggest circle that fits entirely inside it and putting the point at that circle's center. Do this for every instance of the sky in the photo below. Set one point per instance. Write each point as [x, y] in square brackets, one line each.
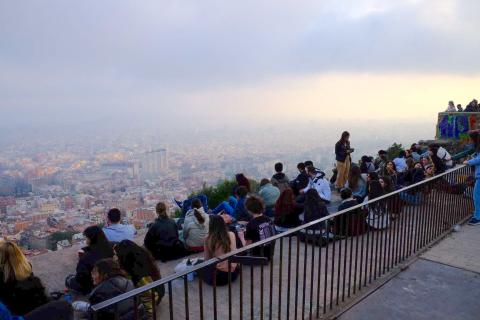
[204, 63]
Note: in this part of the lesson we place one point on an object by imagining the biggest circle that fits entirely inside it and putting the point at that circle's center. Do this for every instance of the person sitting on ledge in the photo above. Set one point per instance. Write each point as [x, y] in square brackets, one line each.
[279, 179]
[459, 108]
[301, 181]
[114, 230]
[195, 227]
[141, 268]
[451, 107]
[287, 211]
[110, 281]
[20, 290]
[237, 211]
[357, 183]
[269, 193]
[259, 228]
[162, 238]
[242, 181]
[97, 248]
[318, 183]
[219, 242]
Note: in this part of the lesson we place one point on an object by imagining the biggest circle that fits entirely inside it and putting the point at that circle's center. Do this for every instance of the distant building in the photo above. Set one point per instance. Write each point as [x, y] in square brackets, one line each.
[154, 162]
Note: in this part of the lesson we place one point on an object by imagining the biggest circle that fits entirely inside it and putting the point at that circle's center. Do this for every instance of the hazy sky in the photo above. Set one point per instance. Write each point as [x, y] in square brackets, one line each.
[235, 61]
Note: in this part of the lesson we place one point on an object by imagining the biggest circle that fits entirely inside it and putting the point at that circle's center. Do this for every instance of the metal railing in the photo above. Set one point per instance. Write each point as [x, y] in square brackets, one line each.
[312, 276]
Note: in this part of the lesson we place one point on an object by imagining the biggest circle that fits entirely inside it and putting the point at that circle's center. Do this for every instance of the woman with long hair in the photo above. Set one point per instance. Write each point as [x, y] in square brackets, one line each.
[110, 281]
[141, 268]
[219, 241]
[391, 171]
[242, 181]
[195, 227]
[356, 182]
[475, 162]
[342, 156]
[20, 290]
[287, 210]
[97, 248]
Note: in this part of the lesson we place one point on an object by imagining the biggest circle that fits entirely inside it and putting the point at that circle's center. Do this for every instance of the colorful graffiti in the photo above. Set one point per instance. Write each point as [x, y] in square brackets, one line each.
[455, 125]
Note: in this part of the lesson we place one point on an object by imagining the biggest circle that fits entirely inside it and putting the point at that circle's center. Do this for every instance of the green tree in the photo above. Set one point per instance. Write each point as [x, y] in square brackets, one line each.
[394, 150]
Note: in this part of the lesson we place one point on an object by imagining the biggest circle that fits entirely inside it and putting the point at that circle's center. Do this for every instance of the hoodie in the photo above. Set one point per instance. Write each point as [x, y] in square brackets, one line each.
[195, 232]
[280, 180]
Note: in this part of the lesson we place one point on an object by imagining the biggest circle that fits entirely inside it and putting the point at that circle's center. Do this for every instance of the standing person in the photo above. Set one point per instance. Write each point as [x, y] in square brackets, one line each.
[459, 108]
[219, 242]
[475, 161]
[20, 290]
[141, 268]
[451, 107]
[319, 183]
[269, 193]
[114, 230]
[162, 238]
[97, 248]
[195, 227]
[259, 228]
[342, 156]
[279, 179]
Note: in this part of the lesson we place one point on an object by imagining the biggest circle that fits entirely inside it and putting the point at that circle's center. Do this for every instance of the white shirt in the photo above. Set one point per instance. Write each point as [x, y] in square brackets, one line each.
[321, 185]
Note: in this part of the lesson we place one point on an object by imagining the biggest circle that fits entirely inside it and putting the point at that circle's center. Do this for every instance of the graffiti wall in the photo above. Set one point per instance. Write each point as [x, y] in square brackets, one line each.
[455, 125]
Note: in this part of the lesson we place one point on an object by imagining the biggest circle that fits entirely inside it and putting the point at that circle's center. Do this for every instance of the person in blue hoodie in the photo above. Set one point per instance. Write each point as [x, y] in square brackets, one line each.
[475, 161]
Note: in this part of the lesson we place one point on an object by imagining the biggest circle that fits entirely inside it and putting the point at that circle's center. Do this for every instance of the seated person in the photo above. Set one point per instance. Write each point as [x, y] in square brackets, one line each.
[314, 209]
[219, 242]
[377, 218]
[53, 310]
[114, 230]
[141, 268]
[187, 205]
[269, 193]
[20, 290]
[357, 183]
[97, 248]
[195, 227]
[279, 179]
[162, 238]
[319, 183]
[348, 223]
[259, 228]
[287, 211]
[301, 181]
[110, 281]
[400, 162]
[238, 212]
[367, 165]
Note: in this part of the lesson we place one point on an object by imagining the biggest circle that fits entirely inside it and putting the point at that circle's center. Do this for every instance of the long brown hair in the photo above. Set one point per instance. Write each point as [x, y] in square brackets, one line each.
[354, 176]
[136, 261]
[196, 205]
[13, 263]
[285, 202]
[218, 235]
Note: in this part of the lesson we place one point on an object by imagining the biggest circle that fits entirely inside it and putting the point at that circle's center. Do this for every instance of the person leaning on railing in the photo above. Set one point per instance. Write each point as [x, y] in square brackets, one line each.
[219, 242]
[475, 161]
[141, 268]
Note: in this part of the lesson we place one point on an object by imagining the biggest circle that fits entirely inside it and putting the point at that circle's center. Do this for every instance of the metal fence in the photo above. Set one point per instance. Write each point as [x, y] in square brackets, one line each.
[313, 276]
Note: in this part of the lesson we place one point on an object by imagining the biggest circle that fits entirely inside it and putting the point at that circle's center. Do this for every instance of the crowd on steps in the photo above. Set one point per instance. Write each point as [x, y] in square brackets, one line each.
[111, 263]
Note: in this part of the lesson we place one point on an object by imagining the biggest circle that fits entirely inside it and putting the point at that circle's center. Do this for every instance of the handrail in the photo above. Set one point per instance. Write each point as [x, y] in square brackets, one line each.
[290, 232]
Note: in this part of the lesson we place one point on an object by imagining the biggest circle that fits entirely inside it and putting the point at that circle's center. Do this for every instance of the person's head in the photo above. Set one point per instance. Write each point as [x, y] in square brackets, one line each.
[105, 269]
[301, 167]
[459, 107]
[345, 193]
[161, 209]
[372, 176]
[264, 182]
[451, 104]
[391, 166]
[95, 236]
[345, 136]
[386, 183]
[424, 161]
[278, 167]
[413, 147]
[433, 147]
[14, 266]
[354, 176]
[114, 215]
[218, 234]
[242, 181]
[382, 154]
[136, 261]
[429, 170]
[474, 102]
[197, 203]
[255, 205]
[241, 192]
[311, 171]
[375, 189]
[410, 163]
[308, 163]
[366, 159]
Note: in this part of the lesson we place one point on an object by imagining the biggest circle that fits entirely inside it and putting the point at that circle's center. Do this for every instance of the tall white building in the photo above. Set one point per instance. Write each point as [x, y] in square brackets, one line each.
[153, 162]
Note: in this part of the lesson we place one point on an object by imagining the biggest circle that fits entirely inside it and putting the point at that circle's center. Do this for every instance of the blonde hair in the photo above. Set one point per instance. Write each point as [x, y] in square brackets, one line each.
[13, 262]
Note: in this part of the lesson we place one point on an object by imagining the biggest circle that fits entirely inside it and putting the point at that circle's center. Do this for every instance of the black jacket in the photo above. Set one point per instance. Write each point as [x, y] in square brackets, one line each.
[85, 265]
[163, 242]
[300, 183]
[341, 151]
[21, 297]
[111, 288]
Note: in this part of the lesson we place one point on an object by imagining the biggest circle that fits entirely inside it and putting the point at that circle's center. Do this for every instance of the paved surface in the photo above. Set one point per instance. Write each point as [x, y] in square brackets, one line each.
[446, 286]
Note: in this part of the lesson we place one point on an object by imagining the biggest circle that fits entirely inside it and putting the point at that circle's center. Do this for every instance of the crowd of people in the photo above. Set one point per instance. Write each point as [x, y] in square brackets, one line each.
[111, 263]
[472, 106]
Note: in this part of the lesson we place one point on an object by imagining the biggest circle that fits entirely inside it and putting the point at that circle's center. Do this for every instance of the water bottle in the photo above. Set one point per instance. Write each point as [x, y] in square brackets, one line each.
[67, 297]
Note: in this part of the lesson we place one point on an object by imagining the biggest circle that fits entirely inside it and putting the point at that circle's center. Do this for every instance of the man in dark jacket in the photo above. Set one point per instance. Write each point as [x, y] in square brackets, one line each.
[279, 179]
[301, 181]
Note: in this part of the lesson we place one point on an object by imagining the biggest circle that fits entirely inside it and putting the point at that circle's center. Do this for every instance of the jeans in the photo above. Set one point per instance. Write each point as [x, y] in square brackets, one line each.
[476, 199]
[228, 207]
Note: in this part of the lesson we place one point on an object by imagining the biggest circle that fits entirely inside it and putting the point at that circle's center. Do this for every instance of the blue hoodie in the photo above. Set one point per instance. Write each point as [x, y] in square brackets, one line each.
[475, 162]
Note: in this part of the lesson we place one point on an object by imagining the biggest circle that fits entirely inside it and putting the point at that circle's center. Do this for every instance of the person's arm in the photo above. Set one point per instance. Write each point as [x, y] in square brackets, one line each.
[473, 162]
[233, 241]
